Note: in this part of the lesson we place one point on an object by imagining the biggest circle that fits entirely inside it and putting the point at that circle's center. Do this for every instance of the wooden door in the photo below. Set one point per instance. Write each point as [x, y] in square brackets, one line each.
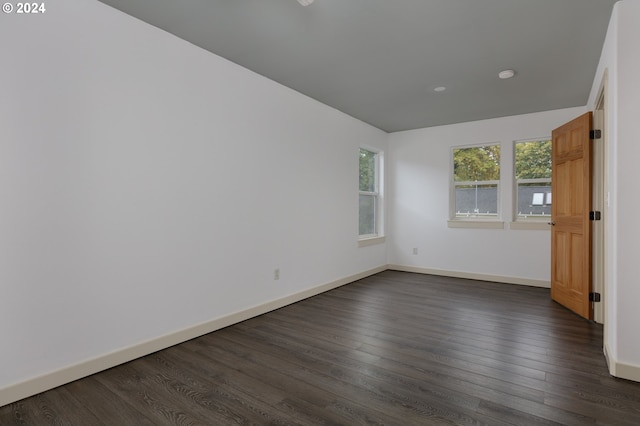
[571, 230]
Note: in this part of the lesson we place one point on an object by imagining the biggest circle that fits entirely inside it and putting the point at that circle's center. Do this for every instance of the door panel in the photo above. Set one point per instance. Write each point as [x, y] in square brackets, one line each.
[571, 233]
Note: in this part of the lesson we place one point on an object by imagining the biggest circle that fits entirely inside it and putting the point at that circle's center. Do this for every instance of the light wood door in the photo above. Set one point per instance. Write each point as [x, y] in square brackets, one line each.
[571, 230]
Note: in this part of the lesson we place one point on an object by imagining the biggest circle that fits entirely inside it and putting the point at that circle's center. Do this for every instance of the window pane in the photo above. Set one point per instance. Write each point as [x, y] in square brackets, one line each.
[533, 179]
[476, 200]
[533, 160]
[534, 199]
[480, 163]
[367, 214]
[367, 170]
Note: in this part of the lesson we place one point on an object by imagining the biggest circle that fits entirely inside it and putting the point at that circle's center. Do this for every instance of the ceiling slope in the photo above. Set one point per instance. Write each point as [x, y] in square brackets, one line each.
[379, 60]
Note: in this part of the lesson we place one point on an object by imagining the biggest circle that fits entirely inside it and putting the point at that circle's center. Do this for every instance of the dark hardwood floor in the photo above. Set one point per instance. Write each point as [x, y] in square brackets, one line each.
[395, 348]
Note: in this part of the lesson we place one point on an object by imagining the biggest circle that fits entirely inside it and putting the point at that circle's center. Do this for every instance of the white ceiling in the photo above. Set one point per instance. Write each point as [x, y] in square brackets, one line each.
[379, 60]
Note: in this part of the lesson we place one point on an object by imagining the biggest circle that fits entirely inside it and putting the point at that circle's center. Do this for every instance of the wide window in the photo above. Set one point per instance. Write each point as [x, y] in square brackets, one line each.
[533, 179]
[476, 181]
[369, 222]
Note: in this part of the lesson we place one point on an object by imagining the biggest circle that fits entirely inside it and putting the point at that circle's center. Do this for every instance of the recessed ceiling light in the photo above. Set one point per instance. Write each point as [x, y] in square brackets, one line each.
[506, 74]
[439, 89]
[305, 2]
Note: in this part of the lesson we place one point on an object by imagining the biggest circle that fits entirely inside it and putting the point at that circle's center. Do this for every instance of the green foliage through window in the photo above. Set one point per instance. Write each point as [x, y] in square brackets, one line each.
[480, 163]
[533, 160]
[367, 170]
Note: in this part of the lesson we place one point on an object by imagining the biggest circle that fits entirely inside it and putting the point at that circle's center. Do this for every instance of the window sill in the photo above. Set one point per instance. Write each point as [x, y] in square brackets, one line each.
[364, 242]
[479, 224]
[530, 225]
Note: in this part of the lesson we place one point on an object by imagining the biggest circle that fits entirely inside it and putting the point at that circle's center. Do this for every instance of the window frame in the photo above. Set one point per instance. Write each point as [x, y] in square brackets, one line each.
[529, 221]
[377, 194]
[474, 221]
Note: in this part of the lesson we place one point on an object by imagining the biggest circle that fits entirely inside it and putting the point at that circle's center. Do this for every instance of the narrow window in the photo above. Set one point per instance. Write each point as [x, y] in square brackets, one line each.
[476, 181]
[533, 179]
[369, 225]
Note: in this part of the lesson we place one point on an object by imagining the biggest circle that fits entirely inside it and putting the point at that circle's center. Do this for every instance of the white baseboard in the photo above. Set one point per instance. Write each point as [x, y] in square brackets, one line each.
[60, 377]
[620, 369]
[472, 276]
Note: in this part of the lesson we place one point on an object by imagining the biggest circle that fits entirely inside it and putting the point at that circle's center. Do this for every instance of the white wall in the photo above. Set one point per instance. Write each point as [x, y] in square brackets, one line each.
[628, 202]
[419, 166]
[147, 186]
[620, 58]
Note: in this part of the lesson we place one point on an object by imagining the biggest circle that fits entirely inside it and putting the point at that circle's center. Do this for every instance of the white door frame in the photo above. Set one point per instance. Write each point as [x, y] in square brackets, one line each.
[600, 203]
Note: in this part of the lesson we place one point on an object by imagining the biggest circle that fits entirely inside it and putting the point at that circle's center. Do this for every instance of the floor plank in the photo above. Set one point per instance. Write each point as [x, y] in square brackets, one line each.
[395, 348]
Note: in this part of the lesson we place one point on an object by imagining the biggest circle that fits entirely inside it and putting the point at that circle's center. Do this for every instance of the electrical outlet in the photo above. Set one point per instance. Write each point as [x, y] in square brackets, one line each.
[276, 274]
[415, 250]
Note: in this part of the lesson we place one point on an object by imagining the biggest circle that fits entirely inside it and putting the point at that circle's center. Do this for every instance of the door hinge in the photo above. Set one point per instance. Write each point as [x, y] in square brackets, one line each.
[595, 134]
[595, 215]
[594, 297]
